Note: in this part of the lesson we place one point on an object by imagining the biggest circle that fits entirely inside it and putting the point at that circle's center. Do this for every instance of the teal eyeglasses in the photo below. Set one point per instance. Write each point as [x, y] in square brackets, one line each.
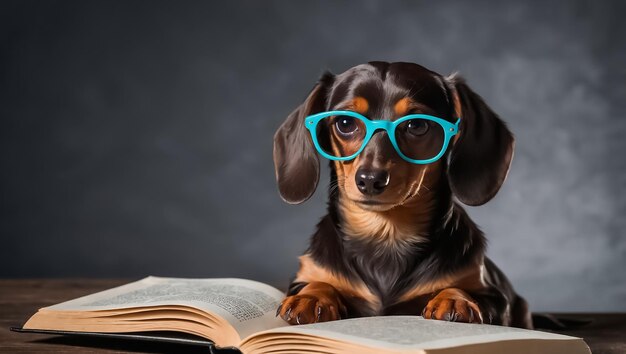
[418, 138]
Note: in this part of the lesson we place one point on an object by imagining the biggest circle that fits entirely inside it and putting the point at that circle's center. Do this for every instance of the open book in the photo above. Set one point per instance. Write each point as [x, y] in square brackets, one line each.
[241, 313]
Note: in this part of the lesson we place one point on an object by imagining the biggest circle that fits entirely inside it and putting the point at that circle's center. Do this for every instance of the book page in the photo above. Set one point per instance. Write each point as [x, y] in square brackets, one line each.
[247, 305]
[414, 332]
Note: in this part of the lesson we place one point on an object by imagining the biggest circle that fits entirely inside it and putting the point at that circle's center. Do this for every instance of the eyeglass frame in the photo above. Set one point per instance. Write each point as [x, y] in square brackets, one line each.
[371, 126]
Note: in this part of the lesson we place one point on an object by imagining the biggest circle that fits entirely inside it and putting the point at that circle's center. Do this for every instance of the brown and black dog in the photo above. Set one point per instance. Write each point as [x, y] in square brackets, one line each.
[395, 239]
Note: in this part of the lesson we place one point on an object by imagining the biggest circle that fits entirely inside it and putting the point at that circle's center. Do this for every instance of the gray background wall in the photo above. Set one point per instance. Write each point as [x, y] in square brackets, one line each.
[135, 137]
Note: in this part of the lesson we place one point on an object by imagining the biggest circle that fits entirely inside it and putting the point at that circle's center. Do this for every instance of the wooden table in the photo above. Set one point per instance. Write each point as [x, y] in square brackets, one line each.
[19, 299]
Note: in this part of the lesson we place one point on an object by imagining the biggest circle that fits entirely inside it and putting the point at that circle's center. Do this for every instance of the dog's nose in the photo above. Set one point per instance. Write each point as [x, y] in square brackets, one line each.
[371, 182]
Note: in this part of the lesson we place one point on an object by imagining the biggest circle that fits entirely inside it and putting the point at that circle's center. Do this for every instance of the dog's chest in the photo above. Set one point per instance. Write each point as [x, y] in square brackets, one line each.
[383, 268]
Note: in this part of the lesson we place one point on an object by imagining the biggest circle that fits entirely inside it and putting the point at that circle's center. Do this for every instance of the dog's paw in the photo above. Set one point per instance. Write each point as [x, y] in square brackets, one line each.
[311, 308]
[453, 305]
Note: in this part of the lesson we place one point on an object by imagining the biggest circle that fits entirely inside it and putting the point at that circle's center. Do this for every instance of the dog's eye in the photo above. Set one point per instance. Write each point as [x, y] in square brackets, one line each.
[417, 127]
[346, 125]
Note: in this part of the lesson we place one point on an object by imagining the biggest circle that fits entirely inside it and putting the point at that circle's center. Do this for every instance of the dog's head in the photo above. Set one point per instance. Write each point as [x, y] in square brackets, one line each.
[474, 166]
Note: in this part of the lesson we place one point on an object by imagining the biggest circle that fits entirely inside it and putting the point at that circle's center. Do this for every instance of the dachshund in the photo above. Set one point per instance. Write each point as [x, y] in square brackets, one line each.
[396, 240]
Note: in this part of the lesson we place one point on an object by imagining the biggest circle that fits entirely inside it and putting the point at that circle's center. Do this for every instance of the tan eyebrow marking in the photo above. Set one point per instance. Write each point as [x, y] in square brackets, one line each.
[358, 104]
[402, 106]
[406, 105]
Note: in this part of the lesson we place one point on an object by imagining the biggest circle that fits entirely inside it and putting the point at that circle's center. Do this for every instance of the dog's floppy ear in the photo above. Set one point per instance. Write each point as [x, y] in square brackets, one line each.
[482, 154]
[295, 159]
